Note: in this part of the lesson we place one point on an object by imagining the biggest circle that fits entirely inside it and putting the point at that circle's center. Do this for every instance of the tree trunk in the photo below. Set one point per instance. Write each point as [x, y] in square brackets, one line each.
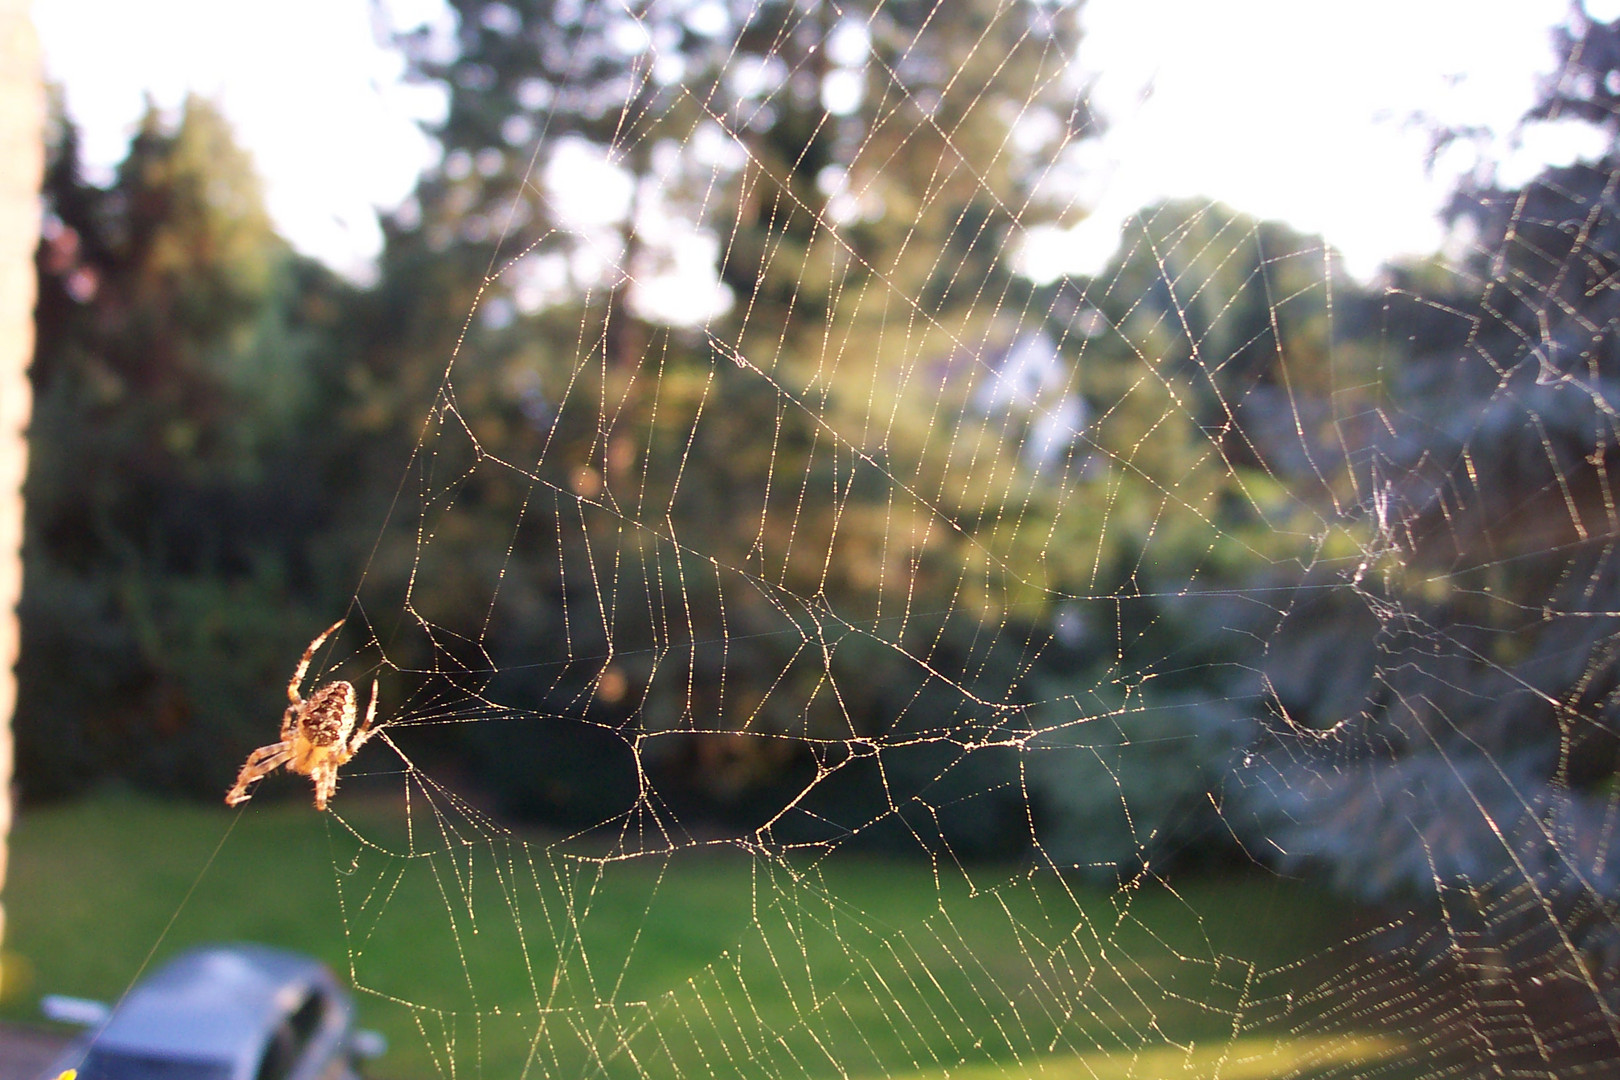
[22, 162]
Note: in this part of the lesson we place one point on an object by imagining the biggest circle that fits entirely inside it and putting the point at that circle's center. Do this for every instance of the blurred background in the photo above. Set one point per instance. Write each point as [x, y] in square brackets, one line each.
[1092, 448]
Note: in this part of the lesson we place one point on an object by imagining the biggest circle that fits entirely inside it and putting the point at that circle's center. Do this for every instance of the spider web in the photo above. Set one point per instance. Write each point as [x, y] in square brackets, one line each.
[1201, 664]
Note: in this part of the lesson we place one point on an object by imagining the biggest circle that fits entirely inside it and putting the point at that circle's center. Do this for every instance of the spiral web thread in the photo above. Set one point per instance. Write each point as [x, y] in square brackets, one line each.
[999, 677]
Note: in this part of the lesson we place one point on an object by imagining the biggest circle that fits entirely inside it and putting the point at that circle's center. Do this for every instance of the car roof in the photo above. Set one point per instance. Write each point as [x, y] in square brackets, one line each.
[217, 1003]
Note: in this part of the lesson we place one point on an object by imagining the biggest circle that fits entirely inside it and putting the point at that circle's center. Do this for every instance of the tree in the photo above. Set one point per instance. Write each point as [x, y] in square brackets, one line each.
[1481, 699]
[185, 459]
[767, 478]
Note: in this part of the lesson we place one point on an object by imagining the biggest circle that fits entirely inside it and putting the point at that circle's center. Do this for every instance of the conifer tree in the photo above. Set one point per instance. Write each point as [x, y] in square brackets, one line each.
[176, 481]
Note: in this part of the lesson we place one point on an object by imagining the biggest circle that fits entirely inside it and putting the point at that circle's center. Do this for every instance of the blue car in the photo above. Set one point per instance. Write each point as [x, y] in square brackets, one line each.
[223, 1012]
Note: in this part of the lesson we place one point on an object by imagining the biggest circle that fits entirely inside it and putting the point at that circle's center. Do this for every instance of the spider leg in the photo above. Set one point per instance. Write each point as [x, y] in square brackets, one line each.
[303, 661]
[289, 723]
[364, 731]
[264, 760]
[325, 777]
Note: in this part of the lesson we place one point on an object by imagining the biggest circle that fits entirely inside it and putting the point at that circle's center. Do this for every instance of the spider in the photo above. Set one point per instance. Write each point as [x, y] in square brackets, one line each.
[317, 733]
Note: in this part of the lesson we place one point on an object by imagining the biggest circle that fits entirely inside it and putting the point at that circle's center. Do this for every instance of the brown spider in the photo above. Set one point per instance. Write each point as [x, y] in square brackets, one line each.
[317, 733]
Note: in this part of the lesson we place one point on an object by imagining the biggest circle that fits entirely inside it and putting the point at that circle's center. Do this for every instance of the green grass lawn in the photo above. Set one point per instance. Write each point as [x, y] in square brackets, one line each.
[482, 953]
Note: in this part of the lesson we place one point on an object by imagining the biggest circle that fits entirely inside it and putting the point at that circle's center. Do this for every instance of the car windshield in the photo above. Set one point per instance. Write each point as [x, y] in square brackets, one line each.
[114, 1065]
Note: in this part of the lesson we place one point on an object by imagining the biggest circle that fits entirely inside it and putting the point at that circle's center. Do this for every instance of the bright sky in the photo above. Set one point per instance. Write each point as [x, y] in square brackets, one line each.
[1315, 113]
[308, 87]
[1281, 108]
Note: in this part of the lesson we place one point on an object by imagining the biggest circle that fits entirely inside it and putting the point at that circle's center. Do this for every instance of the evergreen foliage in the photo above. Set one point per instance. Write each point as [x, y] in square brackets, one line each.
[180, 454]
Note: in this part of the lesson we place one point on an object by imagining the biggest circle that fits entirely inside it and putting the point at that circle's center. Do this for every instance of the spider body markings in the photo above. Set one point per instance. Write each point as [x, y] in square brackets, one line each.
[318, 733]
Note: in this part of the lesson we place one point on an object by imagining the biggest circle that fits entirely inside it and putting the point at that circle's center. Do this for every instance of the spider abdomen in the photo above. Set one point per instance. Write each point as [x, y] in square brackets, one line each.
[328, 714]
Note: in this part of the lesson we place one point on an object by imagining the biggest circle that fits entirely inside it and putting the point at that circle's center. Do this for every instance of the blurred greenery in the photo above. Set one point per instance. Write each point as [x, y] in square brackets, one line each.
[180, 453]
[892, 548]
